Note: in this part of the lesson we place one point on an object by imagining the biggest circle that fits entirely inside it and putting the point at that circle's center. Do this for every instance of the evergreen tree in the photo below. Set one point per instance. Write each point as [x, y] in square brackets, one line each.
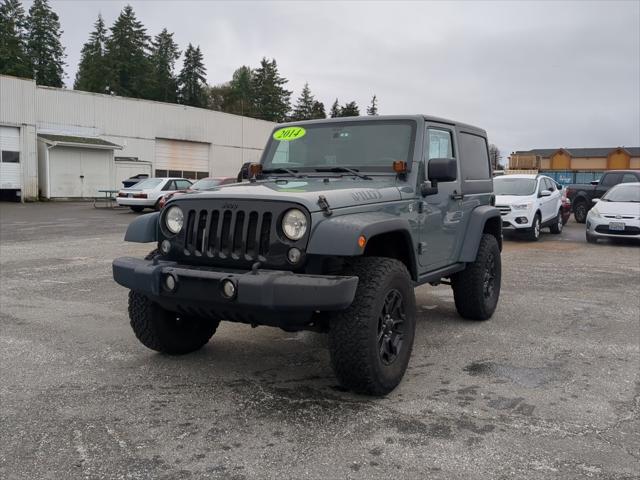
[350, 110]
[14, 59]
[216, 96]
[192, 78]
[304, 107]
[92, 75]
[335, 110]
[317, 111]
[43, 45]
[271, 99]
[164, 53]
[373, 108]
[240, 99]
[126, 56]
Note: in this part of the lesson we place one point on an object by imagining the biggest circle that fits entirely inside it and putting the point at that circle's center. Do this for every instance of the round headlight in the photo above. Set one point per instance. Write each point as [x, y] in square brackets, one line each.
[174, 219]
[294, 224]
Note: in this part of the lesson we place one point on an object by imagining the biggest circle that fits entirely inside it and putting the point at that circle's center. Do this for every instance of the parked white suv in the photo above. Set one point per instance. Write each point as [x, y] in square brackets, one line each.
[147, 193]
[528, 203]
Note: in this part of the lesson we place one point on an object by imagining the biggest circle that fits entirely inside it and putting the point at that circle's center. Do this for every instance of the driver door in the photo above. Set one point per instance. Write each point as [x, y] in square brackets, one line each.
[439, 216]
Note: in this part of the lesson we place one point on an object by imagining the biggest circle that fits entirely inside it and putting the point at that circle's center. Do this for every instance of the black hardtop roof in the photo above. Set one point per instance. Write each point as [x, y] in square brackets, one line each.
[369, 118]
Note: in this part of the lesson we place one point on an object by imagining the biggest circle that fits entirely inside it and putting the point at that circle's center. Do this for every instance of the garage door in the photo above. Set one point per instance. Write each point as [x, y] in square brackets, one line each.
[175, 158]
[79, 172]
[10, 172]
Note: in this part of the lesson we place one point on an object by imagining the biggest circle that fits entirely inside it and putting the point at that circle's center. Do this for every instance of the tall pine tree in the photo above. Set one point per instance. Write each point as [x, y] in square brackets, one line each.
[192, 78]
[271, 99]
[350, 110]
[303, 110]
[239, 99]
[373, 108]
[126, 54]
[14, 59]
[43, 46]
[164, 53]
[335, 110]
[92, 75]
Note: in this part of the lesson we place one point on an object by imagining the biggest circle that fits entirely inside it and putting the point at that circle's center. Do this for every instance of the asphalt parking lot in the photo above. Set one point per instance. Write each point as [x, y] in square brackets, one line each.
[548, 388]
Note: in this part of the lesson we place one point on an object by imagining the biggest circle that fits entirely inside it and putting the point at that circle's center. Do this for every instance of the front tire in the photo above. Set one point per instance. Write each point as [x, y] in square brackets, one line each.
[476, 289]
[534, 232]
[371, 341]
[580, 211]
[165, 331]
[558, 225]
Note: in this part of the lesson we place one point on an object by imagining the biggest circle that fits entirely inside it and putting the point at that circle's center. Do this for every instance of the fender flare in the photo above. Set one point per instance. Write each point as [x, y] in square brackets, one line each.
[143, 229]
[475, 228]
[339, 235]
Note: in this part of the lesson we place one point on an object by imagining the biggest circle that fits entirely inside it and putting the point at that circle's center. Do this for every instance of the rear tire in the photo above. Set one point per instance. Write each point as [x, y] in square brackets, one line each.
[476, 289]
[137, 209]
[165, 331]
[580, 211]
[533, 233]
[371, 341]
[557, 226]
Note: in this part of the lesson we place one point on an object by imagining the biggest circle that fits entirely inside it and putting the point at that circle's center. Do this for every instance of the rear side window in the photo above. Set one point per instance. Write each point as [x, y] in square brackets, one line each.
[474, 157]
[611, 179]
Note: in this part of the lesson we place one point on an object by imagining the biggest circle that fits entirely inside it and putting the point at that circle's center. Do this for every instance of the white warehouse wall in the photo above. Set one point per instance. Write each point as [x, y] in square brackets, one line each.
[134, 124]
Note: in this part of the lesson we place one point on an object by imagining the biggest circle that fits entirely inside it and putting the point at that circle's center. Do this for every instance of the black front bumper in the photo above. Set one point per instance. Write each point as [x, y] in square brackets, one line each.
[259, 294]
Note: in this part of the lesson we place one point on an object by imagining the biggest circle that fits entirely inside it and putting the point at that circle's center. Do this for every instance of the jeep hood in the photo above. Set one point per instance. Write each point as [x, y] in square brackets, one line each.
[339, 192]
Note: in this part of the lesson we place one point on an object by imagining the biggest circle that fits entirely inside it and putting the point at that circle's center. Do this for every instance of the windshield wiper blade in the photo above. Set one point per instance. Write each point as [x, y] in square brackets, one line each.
[345, 170]
[293, 173]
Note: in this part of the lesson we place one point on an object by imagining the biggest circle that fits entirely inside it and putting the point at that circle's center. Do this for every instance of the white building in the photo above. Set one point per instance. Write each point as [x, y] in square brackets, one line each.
[58, 143]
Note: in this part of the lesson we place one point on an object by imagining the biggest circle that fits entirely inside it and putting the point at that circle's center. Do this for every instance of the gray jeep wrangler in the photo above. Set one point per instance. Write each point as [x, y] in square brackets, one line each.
[340, 221]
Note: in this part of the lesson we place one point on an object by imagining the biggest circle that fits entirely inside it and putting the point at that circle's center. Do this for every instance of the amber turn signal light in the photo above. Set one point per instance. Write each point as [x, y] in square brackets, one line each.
[399, 166]
[362, 240]
[255, 169]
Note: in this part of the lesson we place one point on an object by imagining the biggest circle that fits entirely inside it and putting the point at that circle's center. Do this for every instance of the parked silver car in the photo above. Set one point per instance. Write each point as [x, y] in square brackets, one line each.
[147, 193]
[616, 214]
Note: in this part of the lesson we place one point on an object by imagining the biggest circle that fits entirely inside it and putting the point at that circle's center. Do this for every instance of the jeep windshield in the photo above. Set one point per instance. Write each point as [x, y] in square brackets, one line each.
[370, 146]
[514, 186]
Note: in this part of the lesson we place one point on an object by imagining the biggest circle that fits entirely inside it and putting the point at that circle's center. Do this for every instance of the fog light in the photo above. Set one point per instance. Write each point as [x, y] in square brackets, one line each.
[170, 283]
[521, 220]
[165, 246]
[294, 255]
[228, 288]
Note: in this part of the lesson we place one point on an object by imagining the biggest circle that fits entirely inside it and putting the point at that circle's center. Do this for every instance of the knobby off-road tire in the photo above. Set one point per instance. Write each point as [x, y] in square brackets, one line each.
[476, 289]
[137, 209]
[580, 211]
[558, 225]
[165, 331]
[534, 232]
[370, 342]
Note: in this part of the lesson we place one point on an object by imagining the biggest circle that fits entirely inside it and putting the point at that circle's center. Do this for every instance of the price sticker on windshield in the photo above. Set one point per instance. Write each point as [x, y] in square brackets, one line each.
[288, 134]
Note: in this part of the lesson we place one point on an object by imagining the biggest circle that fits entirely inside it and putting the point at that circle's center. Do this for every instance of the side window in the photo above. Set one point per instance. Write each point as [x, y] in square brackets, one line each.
[549, 185]
[170, 185]
[474, 157]
[611, 179]
[541, 185]
[629, 177]
[182, 184]
[440, 144]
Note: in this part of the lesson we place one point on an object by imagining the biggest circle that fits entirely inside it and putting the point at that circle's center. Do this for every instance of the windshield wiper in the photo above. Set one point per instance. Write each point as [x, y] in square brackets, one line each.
[345, 170]
[293, 173]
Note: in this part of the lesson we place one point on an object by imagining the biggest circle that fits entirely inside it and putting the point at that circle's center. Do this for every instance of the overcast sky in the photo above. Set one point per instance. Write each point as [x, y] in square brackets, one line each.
[534, 75]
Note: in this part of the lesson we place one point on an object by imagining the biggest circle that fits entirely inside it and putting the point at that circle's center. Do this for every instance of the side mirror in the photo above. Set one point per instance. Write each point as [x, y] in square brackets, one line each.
[438, 170]
[545, 193]
[595, 182]
[442, 170]
[244, 172]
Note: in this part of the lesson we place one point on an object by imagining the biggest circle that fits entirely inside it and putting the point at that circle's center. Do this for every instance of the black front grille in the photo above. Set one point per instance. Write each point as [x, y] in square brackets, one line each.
[227, 234]
[233, 233]
[628, 230]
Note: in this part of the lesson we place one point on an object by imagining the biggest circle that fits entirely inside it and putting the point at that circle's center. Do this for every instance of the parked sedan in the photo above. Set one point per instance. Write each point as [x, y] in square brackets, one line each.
[147, 193]
[202, 184]
[616, 214]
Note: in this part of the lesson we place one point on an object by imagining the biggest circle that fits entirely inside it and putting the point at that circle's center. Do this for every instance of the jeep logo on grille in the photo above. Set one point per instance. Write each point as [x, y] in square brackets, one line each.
[230, 206]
